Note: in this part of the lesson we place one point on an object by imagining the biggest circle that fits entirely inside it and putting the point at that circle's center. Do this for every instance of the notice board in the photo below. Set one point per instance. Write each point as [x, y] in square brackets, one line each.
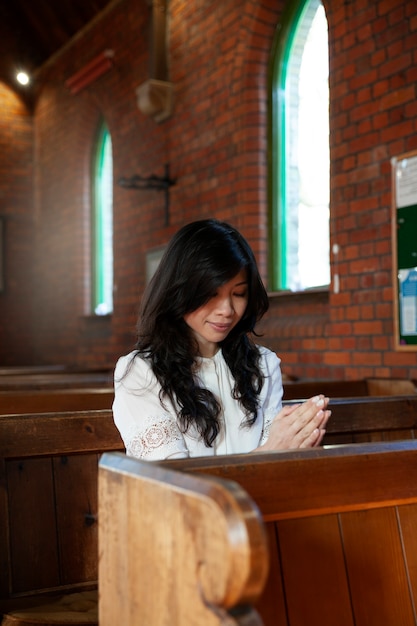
[404, 229]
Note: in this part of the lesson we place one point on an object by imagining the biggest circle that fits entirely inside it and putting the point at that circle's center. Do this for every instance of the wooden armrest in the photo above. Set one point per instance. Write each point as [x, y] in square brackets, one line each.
[176, 548]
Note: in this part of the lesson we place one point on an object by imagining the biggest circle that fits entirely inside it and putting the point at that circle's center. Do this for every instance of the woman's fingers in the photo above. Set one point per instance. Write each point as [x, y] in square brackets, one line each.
[314, 438]
[300, 425]
[311, 440]
[310, 413]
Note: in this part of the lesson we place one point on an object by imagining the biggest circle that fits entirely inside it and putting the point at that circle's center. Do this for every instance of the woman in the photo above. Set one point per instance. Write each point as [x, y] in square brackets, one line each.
[197, 384]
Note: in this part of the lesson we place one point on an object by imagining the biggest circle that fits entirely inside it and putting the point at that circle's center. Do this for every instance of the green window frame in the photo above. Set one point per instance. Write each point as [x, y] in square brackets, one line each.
[291, 212]
[102, 224]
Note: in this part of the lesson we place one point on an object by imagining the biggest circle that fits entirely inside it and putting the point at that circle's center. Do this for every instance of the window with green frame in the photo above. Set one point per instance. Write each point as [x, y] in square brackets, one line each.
[299, 174]
[102, 225]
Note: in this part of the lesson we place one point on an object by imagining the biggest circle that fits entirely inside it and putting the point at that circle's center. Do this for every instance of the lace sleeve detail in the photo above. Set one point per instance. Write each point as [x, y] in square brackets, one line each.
[158, 438]
[148, 428]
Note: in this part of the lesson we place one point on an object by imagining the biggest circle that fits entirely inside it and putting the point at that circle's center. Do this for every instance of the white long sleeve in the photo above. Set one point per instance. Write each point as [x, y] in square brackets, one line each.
[150, 430]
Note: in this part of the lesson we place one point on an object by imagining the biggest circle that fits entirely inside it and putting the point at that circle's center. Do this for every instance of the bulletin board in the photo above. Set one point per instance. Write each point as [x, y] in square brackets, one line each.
[404, 239]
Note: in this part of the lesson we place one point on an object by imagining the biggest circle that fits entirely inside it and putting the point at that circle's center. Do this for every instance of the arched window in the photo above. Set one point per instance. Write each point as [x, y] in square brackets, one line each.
[300, 163]
[102, 222]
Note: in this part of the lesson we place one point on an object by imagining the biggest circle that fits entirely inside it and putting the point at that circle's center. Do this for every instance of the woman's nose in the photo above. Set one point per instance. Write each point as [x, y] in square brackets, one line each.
[225, 305]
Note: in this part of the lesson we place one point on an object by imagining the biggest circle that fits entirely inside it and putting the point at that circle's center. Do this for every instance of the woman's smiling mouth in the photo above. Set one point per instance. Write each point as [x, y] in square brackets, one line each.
[221, 328]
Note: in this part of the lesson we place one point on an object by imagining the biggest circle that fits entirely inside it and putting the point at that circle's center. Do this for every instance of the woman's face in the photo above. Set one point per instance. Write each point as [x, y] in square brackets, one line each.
[213, 321]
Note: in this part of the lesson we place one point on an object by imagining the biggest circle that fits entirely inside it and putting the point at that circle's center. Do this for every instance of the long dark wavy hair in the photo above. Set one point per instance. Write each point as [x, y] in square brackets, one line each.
[200, 258]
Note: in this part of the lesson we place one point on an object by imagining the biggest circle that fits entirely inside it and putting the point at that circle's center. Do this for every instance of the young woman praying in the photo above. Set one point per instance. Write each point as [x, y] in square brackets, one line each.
[197, 383]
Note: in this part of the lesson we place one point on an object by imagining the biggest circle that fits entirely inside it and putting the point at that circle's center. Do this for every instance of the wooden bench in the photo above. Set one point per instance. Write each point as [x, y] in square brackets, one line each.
[368, 418]
[48, 473]
[348, 388]
[46, 400]
[397, 414]
[382, 418]
[12, 370]
[48, 505]
[341, 525]
[56, 380]
[175, 548]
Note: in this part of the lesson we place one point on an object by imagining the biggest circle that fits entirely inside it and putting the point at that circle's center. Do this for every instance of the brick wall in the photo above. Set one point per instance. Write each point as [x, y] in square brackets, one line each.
[16, 213]
[216, 145]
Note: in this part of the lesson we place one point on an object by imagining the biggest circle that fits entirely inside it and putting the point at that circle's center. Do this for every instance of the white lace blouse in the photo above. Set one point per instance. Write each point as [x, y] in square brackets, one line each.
[150, 431]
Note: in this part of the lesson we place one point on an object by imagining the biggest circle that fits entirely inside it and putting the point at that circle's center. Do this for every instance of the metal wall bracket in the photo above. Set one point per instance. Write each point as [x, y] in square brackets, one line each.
[160, 183]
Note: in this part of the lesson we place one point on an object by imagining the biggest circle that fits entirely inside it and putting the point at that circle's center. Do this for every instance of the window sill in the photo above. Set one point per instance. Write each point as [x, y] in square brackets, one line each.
[315, 294]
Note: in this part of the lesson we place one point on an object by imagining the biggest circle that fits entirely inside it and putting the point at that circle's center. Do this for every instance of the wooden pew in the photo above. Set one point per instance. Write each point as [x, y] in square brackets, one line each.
[379, 418]
[48, 508]
[397, 410]
[56, 440]
[12, 370]
[348, 388]
[46, 400]
[176, 549]
[341, 525]
[294, 390]
[56, 380]
[48, 473]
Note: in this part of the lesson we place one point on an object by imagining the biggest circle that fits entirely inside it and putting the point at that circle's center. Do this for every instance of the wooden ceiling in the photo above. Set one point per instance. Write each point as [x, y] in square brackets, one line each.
[31, 31]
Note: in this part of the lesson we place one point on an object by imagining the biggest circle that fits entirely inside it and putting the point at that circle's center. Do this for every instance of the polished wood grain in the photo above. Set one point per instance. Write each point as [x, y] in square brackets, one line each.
[48, 501]
[362, 419]
[340, 525]
[55, 400]
[56, 380]
[194, 548]
[348, 388]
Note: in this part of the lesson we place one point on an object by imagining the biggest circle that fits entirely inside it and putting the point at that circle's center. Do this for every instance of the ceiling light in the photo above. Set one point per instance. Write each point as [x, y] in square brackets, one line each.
[22, 78]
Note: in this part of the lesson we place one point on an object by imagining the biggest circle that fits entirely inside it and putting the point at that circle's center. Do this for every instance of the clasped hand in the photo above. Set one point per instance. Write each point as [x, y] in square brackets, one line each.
[299, 425]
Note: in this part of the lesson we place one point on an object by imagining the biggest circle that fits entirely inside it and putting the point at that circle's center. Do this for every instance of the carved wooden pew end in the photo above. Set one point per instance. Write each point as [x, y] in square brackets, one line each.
[176, 548]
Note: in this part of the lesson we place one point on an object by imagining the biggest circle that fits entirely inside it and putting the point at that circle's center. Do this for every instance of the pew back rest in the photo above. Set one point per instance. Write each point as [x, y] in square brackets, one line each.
[55, 400]
[348, 388]
[299, 389]
[370, 418]
[56, 380]
[362, 419]
[194, 547]
[48, 500]
[341, 526]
